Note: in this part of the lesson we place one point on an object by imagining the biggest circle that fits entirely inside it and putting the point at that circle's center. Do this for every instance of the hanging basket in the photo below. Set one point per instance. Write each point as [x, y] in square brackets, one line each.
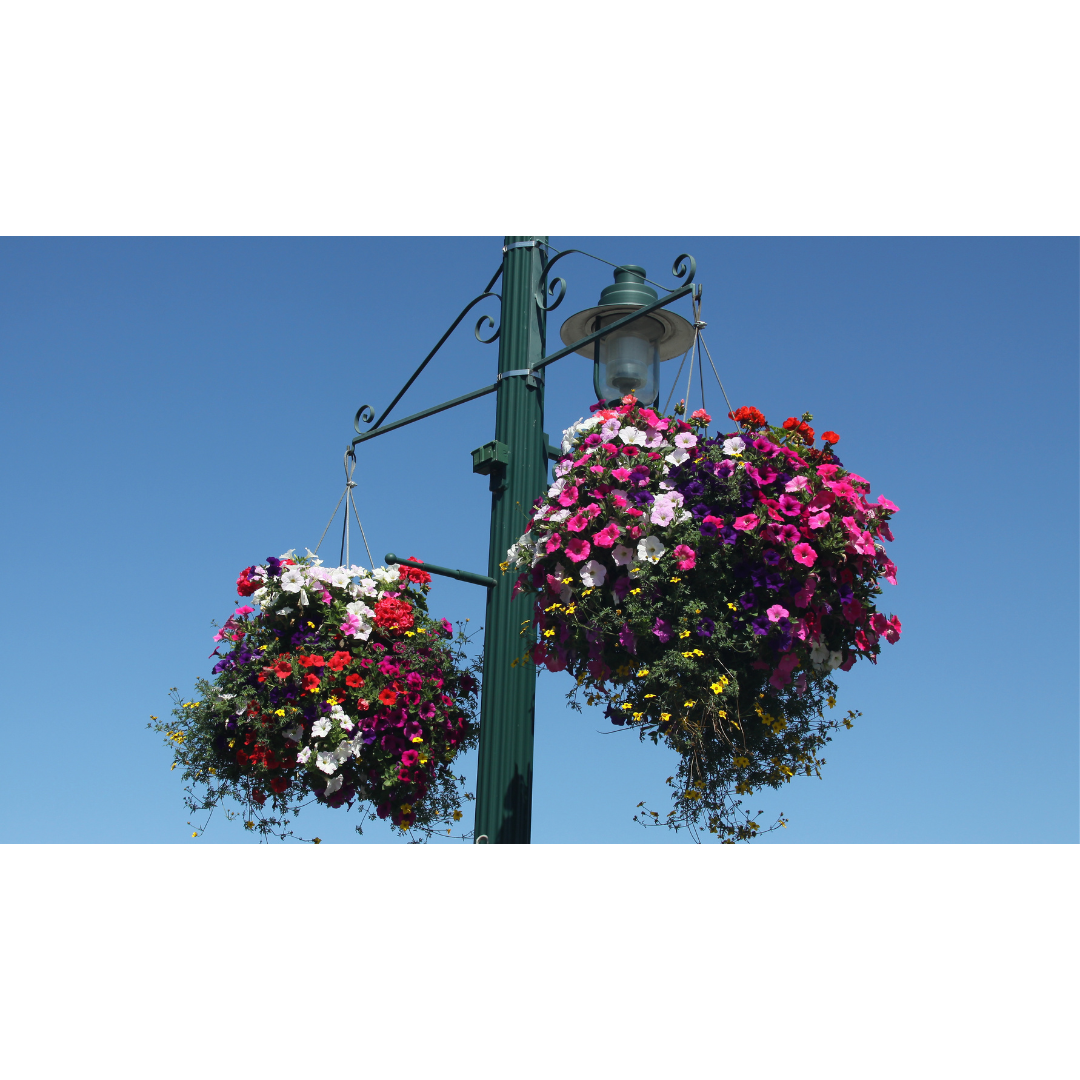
[705, 590]
[339, 687]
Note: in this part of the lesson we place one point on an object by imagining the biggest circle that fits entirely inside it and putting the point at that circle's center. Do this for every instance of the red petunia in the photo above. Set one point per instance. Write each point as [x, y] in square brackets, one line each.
[282, 669]
[279, 784]
[311, 682]
[311, 661]
[353, 680]
[388, 696]
[339, 660]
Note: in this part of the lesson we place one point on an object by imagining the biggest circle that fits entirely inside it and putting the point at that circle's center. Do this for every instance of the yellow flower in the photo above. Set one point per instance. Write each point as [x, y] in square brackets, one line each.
[194, 834]
[312, 625]
[410, 633]
[722, 715]
[665, 716]
[173, 766]
[650, 695]
[279, 712]
[638, 715]
[549, 633]
[418, 738]
[741, 762]
[643, 671]
[698, 652]
[675, 579]
[457, 815]
[571, 609]
[688, 704]
[406, 808]
[213, 772]
[232, 743]
[688, 655]
[316, 840]
[716, 687]
[684, 633]
[504, 566]
[634, 592]
[733, 607]
[249, 824]
[626, 706]
[832, 702]
[584, 593]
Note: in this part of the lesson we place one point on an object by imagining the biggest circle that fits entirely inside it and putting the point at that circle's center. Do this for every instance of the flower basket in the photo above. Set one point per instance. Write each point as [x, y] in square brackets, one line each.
[339, 688]
[706, 589]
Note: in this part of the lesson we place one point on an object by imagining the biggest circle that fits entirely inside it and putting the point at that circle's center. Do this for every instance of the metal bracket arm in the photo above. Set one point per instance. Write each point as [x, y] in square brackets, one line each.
[457, 575]
[427, 412]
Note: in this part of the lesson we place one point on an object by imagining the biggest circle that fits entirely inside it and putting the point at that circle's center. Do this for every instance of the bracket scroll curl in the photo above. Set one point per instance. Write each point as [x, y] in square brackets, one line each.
[364, 415]
[679, 268]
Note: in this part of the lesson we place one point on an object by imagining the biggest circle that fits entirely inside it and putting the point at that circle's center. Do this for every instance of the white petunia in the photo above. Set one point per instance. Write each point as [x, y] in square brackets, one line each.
[593, 574]
[654, 438]
[320, 728]
[575, 431]
[610, 429]
[357, 571]
[563, 467]
[304, 755]
[260, 594]
[650, 549]
[365, 588]
[632, 436]
[285, 611]
[338, 714]
[343, 752]
[359, 609]
[293, 579]
[677, 456]
[327, 761]
[340, 577]
[663, 508]
[334, 784]
[560, 516]
[819, 653]
[622, 555]
[684, 440]
[386, 575]
[734, 445]
[294, 734]
[556, 489]
[835, 659]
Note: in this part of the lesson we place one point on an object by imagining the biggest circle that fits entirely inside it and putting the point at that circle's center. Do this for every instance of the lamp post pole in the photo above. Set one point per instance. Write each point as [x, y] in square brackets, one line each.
[518, 477]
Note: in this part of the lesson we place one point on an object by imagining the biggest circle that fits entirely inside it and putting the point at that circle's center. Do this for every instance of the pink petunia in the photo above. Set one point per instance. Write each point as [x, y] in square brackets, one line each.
[746, 523]
[577, 522]
[886, 503]
[818, 521]
[789, 534]
[618, 498]
[622, 475]
[805, 554]
[796, 483]
[596, 468]
[776, 612]
[827, 470]
[892, 635]
[577, 549]
[554, 542]
[790, 505]
[766, 447]
[685, 557]
[607, 536]
[568, 496]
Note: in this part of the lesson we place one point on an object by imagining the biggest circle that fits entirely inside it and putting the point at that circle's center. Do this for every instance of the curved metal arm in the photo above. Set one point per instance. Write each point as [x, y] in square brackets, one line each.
[561, 282]
[424, 363]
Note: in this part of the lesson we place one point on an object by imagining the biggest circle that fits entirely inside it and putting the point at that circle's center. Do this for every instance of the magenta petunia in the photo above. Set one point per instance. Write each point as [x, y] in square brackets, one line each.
[577, 549]
[554, 542]
[746, 523]
[818, 521]
[790, 505]
[886, 504]
[622, 475]
[805, 554]
[776, 613]
[607, 536]
[685, 557]
[789, 534]
[568, 496]
[577, 522]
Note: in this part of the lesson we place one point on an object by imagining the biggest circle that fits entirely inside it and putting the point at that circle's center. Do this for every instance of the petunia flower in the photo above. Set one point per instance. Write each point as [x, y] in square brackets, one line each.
[733, 446]
[819, 520]
[303, 756]
[320, 728]
[886, 503]
[677, 456]
[334, 785]
[627, 639]
[684, 440]
[790, 505]
[776, 613]
[578, 522]
[622, 555]
[789, 534]
[685, 557]
[805, 554]
[622, 475]
[593, 574]
[554, 542]
[607, 536]
[569, 496]
[796, 483]
[662, 630]
[650, 549]
[577, 549]
[746, 523]
[632, 436]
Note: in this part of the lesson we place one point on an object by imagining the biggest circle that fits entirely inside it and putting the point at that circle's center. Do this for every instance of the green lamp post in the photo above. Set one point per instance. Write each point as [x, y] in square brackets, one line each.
[627, 336]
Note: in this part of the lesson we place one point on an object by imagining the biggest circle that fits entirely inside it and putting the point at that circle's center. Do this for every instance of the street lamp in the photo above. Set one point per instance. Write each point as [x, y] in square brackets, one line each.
[627, 361]
[627, 336]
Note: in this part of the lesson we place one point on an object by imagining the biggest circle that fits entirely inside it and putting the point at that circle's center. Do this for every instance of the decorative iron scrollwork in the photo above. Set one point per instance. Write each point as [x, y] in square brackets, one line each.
[360, 418]
[678, 268]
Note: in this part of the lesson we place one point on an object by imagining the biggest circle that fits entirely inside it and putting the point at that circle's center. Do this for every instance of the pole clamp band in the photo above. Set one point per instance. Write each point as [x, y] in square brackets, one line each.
[525, 244]
[522, 371]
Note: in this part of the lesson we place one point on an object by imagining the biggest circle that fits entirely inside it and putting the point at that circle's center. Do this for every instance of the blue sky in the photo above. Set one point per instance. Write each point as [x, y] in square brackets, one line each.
[176, 409]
